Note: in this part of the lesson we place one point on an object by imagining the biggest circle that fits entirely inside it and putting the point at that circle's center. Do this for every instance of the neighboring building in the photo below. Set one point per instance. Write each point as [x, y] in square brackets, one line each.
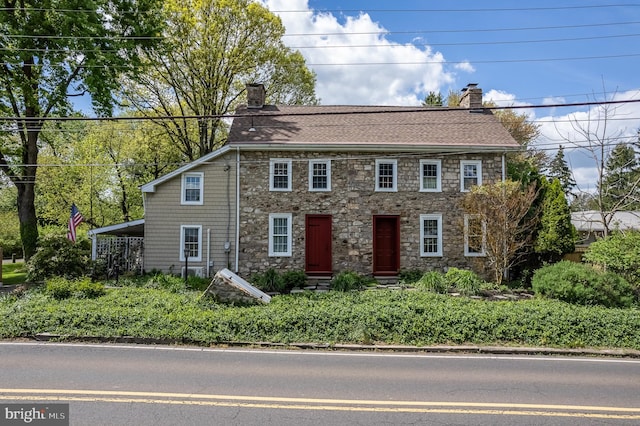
[324, 189]
[590, 226]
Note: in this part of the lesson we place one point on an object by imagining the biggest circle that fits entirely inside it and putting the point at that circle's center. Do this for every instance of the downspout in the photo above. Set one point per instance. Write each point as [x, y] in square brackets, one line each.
[94, 245]
[504, 166]
[209, 263]
[237, 208]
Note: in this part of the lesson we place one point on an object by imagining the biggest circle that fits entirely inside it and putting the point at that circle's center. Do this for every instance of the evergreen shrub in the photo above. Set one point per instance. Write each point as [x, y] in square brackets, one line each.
[582, 284]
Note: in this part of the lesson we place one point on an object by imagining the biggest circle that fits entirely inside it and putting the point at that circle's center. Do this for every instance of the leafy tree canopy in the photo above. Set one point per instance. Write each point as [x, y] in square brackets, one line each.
[50, 51]
[213, 49]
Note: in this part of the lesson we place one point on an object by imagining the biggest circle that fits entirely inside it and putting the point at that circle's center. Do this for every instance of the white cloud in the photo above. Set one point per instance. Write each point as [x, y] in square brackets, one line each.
[403, 74]
[397, 74]
[575, 130]
[465, 66]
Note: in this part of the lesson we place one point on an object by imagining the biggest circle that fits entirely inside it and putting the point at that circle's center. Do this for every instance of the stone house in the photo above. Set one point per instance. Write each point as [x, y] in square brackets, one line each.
[323, 189]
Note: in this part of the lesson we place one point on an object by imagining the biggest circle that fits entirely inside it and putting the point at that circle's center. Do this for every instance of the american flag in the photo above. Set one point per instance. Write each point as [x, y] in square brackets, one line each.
[75, 220]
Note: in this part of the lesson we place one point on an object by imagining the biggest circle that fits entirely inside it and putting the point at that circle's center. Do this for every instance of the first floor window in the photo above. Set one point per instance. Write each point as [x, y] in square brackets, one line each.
[280, 234]
[386, 175]
[475, 231]
[430, 235]
[191, 243]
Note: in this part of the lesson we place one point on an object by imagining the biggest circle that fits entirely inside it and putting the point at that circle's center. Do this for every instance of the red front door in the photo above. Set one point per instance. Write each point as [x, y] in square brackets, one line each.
[318, 244]
[386, 245]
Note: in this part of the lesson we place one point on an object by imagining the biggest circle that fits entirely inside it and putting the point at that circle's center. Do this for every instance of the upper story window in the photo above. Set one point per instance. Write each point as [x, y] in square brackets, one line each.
[430, 235]
[191, 242]
[280, 238]
[320, 175]
[280, 175]
[470, 174]
[475, 233]
[430, 176]
[192, 188]
[387, 175]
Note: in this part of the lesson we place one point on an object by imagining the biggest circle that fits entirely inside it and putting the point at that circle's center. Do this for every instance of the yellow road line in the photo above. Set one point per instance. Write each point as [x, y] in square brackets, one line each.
[515, 409]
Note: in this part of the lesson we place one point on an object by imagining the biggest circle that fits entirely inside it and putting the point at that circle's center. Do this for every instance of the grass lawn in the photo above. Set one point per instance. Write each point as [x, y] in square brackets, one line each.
[13, 273]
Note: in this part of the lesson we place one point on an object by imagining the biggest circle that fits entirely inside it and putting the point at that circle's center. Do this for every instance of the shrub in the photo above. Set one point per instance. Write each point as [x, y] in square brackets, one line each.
[293, 279]
[62, 288]
[197, 283]
[582, 284]
[619, 253]
[410, 276]
[59, 288]
[433, 281]
[56, 256]
[269, 281]
[465, 282]
[347, 281]
[84, 288]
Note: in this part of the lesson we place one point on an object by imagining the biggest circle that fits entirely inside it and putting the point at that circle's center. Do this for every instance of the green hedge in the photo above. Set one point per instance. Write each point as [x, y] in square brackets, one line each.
[380, 316]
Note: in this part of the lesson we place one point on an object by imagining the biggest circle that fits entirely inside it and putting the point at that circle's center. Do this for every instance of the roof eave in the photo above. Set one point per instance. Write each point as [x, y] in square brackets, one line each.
[345, 147]
[151, 186]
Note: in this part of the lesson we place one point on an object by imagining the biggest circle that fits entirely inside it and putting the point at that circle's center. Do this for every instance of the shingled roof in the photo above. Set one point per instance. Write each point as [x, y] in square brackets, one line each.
[370, 126]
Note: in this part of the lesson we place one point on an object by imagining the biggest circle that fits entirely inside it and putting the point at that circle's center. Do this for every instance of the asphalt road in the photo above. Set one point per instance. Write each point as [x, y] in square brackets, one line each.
[158, 385]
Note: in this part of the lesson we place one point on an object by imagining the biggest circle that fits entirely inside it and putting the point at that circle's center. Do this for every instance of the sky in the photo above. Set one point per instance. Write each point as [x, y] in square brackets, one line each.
[527, 54]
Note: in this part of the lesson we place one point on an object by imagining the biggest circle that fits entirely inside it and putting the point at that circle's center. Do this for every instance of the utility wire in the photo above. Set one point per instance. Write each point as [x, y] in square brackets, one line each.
[377, 46]
[510, 9]
[381, 110]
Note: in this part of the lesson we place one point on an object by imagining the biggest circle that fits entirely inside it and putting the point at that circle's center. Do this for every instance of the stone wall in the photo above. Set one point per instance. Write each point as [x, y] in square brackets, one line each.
[353, 202]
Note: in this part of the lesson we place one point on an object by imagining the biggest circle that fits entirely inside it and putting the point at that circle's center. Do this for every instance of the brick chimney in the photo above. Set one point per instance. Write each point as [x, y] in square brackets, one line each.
[471, 97]
[255, 95]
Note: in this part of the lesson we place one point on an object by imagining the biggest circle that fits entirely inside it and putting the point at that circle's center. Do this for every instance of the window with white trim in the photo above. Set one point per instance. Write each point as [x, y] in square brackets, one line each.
[280, 175]
[280, 239]
[319, 175]
[430, 176]
[192, 188]
[191, 242]
[387, 175]
[470, 174]
[475, 233]
[430, 235]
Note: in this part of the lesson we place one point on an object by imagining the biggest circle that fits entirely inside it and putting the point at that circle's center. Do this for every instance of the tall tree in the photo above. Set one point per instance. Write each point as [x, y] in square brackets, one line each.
[433, 99]
[51, 50]
[556, 235]
[453, 99]
[214, 48]
[505, 219]
[99, 165]
[621, 182]
[559, 169]
[591, 132]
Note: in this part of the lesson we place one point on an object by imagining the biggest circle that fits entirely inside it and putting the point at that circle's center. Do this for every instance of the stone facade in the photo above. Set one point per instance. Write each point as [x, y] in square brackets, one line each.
[353, 203]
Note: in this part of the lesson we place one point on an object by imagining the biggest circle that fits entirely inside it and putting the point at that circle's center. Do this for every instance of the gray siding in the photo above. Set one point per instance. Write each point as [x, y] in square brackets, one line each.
[164, 216]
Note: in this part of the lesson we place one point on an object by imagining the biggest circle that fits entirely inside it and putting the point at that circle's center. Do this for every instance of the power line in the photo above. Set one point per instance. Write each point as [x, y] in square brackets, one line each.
[508, 9]
[311, 64]
[378, 46]
[316, 113]
[511, 9]
[476, 30]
